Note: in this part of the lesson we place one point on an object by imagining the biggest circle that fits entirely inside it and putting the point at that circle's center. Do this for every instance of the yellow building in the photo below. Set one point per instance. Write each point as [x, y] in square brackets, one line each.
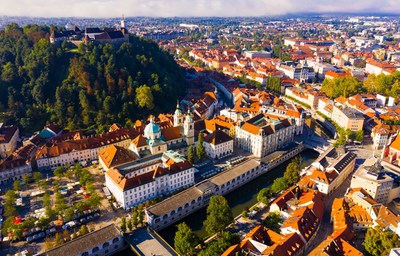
[348, 118]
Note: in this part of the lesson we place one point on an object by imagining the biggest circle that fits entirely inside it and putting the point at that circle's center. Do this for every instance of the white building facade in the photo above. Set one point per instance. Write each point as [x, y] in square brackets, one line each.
[264, 134]
[218, 144]
[133, 186]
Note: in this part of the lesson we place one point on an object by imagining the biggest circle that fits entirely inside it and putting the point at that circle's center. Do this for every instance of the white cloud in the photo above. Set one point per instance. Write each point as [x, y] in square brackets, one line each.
[168, 8]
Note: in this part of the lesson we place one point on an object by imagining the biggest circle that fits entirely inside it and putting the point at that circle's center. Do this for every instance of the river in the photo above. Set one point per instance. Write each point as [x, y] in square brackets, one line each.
[239, 199]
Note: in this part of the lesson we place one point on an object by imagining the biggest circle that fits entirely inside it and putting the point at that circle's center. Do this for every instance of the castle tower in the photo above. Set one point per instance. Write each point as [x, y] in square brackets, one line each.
[188, 128]
[178, 118]
[123, 22]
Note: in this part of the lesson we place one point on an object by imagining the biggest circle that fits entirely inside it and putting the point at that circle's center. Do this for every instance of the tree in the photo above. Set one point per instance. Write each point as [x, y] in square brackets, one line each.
[200, 152]
[43, 223]
[48, 244]
[37, 176]
[217, 247]
[46, 201]
[272, 221]
[59, 172]
[94, 200]
[26, 178]
[66, 235]
[129, 225]
[380, 242]
[69, 213]
[191, 154]
[342, 86]
[17, 185]
[185, 240]
[350, 135]
[123, 224]
[58, 240]
[219, 215]
[83, 230]
[60, 202]
[341, 140]
[279, 185]
[264, 195]
[144, 97]
[140, 218]
[43, 184]
[359, 136]
[292, 173]
[10, 204]
[134, 220]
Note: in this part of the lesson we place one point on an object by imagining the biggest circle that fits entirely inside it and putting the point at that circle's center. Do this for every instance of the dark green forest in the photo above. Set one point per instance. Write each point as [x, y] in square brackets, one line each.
[89, 87]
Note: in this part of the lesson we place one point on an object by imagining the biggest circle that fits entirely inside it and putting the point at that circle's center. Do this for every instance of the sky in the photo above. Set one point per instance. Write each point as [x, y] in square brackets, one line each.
[189, 8]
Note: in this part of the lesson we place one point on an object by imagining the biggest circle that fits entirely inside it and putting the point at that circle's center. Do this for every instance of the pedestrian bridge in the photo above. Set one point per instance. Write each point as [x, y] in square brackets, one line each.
[316, 145]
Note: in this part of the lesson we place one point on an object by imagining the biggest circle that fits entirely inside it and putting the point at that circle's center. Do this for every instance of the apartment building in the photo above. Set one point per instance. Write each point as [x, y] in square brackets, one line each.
[17, 164]
[218, 144]
[8, 139]
[303, 73]
[376, 67]
[348, 118]
[381, 184]
[309, 97]
[264, 134]
[382, 134]
[81, 150]
[288, 111]
[329, 170]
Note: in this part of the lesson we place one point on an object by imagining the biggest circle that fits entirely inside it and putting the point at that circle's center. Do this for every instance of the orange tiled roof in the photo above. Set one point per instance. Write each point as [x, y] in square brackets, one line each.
[115, 155]
[341, 99]
[139, 141]
[396, 143]
[325, 177]
[171, 133]
[387, 217]
[251, 128]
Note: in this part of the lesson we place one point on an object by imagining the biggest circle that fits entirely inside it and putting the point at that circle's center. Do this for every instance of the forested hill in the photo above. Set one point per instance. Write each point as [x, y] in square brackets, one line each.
[87, 87]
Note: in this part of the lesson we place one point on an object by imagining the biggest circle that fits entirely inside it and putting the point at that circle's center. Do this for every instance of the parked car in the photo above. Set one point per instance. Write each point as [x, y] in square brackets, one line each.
[71, 224]
[51, 231]
[29, 239]
[65, 227]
